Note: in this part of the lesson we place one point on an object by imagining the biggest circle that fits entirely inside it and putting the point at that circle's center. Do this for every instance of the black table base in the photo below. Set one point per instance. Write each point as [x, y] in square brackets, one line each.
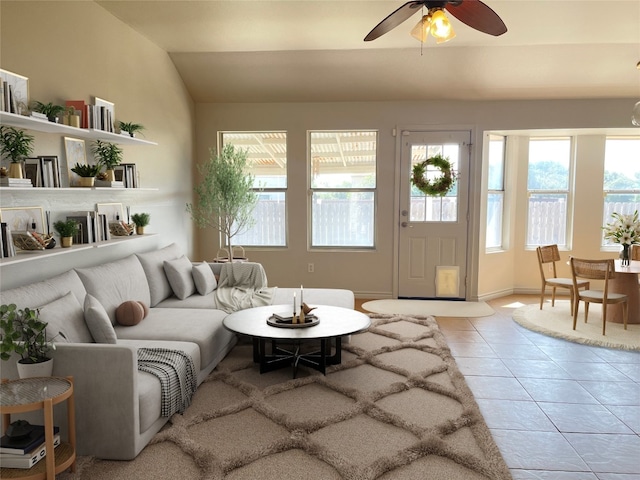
[289, 353]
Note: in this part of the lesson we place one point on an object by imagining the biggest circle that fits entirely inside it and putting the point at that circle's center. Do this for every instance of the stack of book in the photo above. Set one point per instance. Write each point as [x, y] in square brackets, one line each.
[25, 452]
[15, 182]
[7, 249]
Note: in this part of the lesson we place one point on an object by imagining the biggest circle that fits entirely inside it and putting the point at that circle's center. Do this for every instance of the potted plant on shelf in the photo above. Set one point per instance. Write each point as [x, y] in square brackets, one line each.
[49, 109]
[24, 333]
[108, 155]
[16, 145]
[130, 128]
[141, 220]
[87, 174]
[67, 229]
[226, 196]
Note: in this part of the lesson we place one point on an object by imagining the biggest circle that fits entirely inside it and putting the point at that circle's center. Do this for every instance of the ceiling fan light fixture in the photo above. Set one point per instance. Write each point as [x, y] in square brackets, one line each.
[441, 28]
[421, 31]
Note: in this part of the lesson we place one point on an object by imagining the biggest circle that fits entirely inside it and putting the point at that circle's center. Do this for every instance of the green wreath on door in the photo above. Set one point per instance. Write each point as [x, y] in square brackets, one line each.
[439, 186]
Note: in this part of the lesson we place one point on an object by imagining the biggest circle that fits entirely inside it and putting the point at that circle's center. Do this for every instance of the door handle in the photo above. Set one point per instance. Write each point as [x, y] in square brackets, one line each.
[405, 225]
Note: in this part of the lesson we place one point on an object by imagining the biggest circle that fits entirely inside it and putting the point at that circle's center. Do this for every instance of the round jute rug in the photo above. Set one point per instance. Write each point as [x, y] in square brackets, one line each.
[558, 322]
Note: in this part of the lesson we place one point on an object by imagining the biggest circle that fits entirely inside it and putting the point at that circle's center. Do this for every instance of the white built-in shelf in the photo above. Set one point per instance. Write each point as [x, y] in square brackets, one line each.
[31, 255]
[74, 189]
[46, 126]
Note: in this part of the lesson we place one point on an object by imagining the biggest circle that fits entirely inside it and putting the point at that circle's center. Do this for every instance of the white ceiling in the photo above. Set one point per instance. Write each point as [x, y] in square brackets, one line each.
[313, 50]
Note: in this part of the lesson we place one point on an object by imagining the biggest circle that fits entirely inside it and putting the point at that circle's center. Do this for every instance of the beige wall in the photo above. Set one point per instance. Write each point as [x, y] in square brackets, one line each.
[371, 274]
[74, 51]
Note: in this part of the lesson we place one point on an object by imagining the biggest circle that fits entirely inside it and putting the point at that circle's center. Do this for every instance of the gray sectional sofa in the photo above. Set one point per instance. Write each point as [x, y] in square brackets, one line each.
[117, 405]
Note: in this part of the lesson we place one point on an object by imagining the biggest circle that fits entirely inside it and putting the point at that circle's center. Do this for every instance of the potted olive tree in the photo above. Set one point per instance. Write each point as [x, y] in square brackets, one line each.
[22, 332]
[15, 144]
[141, 220]
[108, 155]
[226, 198]
[67, 229]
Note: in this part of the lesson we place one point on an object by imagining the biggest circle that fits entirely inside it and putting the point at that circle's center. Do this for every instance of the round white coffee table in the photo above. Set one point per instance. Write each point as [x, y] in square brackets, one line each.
[335, 322]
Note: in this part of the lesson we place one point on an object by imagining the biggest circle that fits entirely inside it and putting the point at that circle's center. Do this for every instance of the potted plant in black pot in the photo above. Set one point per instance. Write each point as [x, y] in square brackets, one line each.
[22, 332]
[15, 144]
[108, 155]
[67, 229]
[130, 128]
[141, 220]
[87, 174]
[49, 109]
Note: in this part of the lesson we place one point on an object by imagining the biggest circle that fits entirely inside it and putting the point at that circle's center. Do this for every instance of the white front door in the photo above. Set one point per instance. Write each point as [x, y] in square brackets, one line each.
[432, 261]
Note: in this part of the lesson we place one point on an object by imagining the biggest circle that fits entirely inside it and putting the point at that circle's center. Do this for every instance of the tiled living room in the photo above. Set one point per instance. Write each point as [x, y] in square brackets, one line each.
[193, 72]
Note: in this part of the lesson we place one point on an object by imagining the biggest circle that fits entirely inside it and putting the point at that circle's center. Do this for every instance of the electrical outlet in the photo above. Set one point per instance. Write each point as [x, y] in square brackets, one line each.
[310, 267]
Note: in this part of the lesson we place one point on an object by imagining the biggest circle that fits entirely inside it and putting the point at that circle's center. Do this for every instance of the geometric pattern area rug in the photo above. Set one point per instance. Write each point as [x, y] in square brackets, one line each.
[436, 308]
[558, 322]
[396, 408]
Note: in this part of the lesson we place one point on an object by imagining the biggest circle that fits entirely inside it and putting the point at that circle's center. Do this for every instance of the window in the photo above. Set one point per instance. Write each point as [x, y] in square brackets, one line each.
[548, 186]
[267, 160]
[621, 177]
[495, 193]
[343, 188]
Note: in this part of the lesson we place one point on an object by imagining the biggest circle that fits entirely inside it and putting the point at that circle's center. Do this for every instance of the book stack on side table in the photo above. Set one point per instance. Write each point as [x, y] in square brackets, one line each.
[25, 452]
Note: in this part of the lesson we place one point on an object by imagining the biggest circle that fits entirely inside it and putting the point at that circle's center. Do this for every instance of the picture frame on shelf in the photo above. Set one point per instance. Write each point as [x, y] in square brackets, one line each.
[113, 211]
[50, 168]
[33, 171]
[23, 218]
[14, 92]
[75, 152]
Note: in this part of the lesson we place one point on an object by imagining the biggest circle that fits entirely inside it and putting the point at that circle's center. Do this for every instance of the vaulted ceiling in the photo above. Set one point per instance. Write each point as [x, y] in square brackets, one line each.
[313, 50]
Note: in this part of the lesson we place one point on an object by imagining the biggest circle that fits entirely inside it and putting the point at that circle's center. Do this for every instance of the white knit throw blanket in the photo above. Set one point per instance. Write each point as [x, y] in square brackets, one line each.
[242, 285]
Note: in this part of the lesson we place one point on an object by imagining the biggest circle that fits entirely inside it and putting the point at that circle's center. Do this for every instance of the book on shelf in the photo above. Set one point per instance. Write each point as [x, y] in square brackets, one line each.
[8, 249]
[15, 182]
[50, 169]
[127, 173]
[25, 444]
[29, 459]
[40, 116]
[109, 183]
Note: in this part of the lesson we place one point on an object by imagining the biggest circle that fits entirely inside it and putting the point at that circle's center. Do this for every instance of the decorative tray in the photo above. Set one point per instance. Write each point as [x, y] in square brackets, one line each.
[286, 322]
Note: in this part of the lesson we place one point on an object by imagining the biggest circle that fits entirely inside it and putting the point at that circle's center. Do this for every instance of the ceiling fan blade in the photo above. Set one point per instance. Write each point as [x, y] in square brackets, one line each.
[479, 16]
[393, 20]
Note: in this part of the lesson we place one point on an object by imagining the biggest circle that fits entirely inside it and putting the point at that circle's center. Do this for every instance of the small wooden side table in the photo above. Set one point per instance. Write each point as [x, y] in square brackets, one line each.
[42, 393]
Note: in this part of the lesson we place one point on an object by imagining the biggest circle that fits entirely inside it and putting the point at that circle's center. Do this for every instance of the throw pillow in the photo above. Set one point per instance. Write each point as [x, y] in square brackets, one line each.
[98, 321]
[179, 275]
[130, 313]
[152, 262]
[204, 278]
[65, 316]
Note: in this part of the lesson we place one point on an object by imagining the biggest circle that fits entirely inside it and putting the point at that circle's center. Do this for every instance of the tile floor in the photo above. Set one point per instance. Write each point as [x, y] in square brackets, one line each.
[557, 410]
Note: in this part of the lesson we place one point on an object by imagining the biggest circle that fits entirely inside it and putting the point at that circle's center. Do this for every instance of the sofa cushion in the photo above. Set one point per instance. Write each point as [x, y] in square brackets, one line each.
[130, 313]
[194, 301]
[65, 316]
[116, 282]
[153, 265]
[204, 278]
[40, 293]
[178, 273]
[98, 321]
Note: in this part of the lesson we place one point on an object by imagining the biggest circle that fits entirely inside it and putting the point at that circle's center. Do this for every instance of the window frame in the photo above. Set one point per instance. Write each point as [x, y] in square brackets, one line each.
[313, 190]
[499, 192]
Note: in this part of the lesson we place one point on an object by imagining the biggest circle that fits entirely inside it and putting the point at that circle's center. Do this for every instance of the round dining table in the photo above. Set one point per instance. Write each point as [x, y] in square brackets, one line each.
[626, 281]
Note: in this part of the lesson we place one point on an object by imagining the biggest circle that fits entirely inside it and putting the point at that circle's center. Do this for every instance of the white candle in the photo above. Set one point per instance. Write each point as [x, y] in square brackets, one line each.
[301, 295]
[294, 303]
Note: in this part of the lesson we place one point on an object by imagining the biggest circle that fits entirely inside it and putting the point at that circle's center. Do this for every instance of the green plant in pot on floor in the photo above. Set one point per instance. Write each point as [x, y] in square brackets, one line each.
[67, 229]
[24, 333]
[141, 220]
[108, 155]
[15, 144]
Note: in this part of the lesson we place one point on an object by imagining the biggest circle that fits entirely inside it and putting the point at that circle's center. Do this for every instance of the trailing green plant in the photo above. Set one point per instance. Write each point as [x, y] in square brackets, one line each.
[24, 333]
[15, 143]
[86, 170]
[226, 195]
[141, 219]
[131, 128]
[107, 154]
[49, 109]
[66, 228]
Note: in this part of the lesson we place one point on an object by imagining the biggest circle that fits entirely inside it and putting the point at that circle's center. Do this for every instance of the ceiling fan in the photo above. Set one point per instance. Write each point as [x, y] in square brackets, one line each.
[474, 13]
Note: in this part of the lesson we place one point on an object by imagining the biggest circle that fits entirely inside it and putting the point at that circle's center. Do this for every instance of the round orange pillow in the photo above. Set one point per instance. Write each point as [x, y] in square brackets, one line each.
[130, 313]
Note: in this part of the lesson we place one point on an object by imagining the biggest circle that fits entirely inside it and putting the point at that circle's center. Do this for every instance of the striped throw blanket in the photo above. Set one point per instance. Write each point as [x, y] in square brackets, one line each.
[176, 373]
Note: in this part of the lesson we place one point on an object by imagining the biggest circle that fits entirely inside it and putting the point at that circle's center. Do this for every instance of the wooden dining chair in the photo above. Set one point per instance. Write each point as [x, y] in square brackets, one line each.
[548, 255]
[596, 270]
